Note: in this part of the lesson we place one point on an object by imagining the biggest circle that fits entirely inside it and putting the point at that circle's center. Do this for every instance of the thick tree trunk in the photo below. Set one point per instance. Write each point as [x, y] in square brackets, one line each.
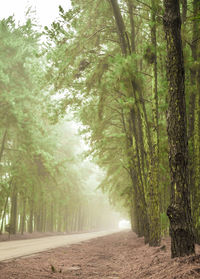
[179, 211]
[194, 124]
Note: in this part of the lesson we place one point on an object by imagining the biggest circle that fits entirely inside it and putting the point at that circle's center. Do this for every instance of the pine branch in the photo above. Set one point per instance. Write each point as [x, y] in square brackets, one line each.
[91, 36]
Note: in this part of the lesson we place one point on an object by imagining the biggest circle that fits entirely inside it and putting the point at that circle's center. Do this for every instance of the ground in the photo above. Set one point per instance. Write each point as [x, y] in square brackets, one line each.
[118, 256]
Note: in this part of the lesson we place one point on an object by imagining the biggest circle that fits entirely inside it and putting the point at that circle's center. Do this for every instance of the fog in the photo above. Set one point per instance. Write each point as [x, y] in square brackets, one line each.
[57, 190]
[50, 180]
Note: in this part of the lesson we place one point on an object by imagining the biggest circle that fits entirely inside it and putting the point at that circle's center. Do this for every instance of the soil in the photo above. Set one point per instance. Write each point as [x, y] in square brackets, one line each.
[118, 256]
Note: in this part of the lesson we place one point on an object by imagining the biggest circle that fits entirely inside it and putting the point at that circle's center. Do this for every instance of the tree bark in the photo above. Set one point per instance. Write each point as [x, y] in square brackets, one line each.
[30, 223]
[4, 214]
[179, 211]
[3, 144]
[13, 214]
[120, 27]
[23, 214]
[194, 124]
[184, 10]
[134, 115]
[153, 185]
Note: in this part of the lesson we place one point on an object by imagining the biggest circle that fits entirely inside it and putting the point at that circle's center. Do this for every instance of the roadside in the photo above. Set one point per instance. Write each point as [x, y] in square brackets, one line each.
[16, 249]
[19, 236]
[118, 256]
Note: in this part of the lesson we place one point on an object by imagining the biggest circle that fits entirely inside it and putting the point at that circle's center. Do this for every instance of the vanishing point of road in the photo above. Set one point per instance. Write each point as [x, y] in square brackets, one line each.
[21, 248]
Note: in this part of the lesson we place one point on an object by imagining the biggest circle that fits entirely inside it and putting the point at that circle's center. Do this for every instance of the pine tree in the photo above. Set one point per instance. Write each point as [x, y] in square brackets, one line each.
[179, 211]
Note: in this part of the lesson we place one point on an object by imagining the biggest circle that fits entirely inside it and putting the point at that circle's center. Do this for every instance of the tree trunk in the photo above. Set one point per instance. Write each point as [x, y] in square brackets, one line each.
[51, 225]
[13, 214]
[153, 185]
[179, 211]
[149, 168]
[30, 223]
[23, 215]
[184, 10]
[120, 27]
[44, 216]
[134, 116]
[4, 214]
[194, 124]
[60, 217]
[3, 144]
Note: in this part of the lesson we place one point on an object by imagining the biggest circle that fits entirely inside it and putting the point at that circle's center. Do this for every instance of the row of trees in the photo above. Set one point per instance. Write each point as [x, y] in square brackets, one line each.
[107, 59]
[111, 58]
[43, 183]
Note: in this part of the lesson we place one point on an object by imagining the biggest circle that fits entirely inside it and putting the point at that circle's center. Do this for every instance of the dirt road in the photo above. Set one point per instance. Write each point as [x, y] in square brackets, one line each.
[15, 249]
[116, 256]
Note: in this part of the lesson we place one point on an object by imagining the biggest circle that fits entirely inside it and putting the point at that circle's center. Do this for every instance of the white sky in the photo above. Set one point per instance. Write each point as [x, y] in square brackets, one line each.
[46, 10]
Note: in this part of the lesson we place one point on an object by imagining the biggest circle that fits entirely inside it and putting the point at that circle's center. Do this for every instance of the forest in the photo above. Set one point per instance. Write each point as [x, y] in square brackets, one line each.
[128, 72]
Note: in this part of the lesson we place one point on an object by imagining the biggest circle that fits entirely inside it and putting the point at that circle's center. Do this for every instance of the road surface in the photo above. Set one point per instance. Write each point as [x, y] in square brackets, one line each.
[20, 248]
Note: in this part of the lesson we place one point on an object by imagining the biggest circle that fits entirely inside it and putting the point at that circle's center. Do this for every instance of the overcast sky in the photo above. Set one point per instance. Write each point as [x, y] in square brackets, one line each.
[47, 10]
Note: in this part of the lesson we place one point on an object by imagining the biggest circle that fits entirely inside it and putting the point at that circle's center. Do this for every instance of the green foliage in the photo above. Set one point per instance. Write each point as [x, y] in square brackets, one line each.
[105, 87]
[40, 166]
[81, 72]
